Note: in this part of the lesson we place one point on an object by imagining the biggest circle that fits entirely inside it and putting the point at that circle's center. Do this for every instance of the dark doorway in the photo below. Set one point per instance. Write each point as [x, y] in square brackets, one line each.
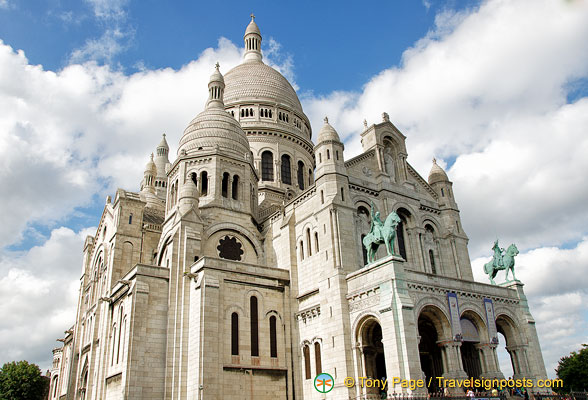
[430, 352]
[373, 351]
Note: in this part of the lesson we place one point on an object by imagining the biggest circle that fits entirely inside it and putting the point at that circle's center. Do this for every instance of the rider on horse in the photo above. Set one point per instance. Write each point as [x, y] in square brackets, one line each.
[377, 224]
[497, 260]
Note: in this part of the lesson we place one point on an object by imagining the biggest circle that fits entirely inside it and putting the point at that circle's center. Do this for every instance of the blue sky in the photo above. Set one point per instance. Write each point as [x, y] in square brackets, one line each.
[496, 90]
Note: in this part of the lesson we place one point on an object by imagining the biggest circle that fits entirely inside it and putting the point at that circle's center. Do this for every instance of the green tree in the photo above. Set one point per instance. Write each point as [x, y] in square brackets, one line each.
[573, 371]
[21, 380]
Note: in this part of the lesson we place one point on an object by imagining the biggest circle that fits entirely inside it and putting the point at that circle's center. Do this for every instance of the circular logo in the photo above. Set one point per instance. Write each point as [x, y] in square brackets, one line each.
[323, 383]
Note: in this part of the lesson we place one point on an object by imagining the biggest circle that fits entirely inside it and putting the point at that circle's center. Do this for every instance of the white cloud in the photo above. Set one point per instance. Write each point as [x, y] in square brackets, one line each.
[38, 296]
[87, 129]
[112, 42]
[109, 9]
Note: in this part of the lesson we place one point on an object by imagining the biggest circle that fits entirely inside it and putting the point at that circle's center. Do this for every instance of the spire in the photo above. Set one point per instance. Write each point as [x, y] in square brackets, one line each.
[216, 88]
[252, 41]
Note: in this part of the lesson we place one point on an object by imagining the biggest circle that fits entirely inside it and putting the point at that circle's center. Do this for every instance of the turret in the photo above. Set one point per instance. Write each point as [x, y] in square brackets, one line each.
[329, 152]
[252, 40]
[162, 164]
[439, 181]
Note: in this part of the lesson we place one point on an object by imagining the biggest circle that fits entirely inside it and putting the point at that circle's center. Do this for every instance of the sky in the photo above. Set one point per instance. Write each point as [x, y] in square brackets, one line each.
[496, 90]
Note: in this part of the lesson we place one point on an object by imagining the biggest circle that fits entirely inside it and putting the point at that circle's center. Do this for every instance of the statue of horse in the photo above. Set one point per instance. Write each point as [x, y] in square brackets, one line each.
[371, 243]
[508, 263]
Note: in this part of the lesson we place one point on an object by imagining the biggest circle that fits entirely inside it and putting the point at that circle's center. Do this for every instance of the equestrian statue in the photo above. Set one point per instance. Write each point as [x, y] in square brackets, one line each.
[502, 260]
[380, 232]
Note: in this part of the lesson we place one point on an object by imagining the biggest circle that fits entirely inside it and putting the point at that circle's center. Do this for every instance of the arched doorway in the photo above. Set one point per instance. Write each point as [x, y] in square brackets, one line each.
[372, 349]
[470, 355]
[517, 353]
[432, 328]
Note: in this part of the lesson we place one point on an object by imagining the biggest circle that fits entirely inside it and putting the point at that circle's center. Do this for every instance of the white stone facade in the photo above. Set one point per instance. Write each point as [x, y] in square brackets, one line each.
[237, 272]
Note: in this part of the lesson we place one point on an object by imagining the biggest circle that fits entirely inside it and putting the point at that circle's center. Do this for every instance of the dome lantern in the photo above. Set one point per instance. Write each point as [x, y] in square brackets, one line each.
[216, 88]
[252, 39]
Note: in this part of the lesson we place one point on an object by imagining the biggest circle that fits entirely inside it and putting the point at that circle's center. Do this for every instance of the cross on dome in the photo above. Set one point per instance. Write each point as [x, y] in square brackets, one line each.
[326, 120]
[252, 17]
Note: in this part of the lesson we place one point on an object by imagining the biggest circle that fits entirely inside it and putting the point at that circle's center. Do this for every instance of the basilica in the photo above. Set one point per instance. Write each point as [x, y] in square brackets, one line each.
[238, 270]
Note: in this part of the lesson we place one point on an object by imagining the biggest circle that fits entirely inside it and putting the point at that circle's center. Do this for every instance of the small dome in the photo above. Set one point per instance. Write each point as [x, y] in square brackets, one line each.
[327, 133]
[252, 27]
[437, 174]
[214, 127]
[150, 166]
[216, 76]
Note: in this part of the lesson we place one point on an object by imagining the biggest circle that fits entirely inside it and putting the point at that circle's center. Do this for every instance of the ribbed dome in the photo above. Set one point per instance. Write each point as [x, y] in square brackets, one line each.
[327, 133]
[214, 127]
[437, 174]
[257, 82]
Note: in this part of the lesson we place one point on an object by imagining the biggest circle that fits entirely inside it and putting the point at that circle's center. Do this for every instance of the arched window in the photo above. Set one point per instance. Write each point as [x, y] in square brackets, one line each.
[322, 197]
[317, 358]
[203, 183]
[328, 154]
[309, 177]
[301, 250]
[320, 158]
[286, 170]
[442, 193]
[194, 178]
[54, 384]
[301, 175]
[432, 259]
[273, 338]
[234, 334]
[235, 187]
[225, 185]
[306, 352]
[342, 194]
[316, 243]
[308, 242]
[254, 327]
[267, 166]
[400, 228]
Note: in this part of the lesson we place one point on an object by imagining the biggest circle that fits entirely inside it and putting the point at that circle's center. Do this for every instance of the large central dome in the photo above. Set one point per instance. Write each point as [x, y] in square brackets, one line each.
[258, 82]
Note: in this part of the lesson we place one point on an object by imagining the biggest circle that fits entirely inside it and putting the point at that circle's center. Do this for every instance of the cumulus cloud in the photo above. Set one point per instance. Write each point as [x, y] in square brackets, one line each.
[38, 296]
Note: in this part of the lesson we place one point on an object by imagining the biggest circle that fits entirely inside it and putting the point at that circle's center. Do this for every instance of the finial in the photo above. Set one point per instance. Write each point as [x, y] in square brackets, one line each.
[217, 65]
[365, 123]
[151, 156]
[252, 17]
[385, 117]
[164, 135]
[434, 160]
[326, 120]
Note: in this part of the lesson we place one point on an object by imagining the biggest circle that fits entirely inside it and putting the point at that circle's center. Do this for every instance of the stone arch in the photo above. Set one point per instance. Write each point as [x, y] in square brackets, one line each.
[439, 318]
[475, 314]
[238, 231]
[509, 328]
[370, 343]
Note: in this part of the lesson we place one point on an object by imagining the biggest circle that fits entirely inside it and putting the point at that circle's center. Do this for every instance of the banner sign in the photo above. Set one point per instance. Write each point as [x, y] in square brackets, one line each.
[454, 315]
[491, 321]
